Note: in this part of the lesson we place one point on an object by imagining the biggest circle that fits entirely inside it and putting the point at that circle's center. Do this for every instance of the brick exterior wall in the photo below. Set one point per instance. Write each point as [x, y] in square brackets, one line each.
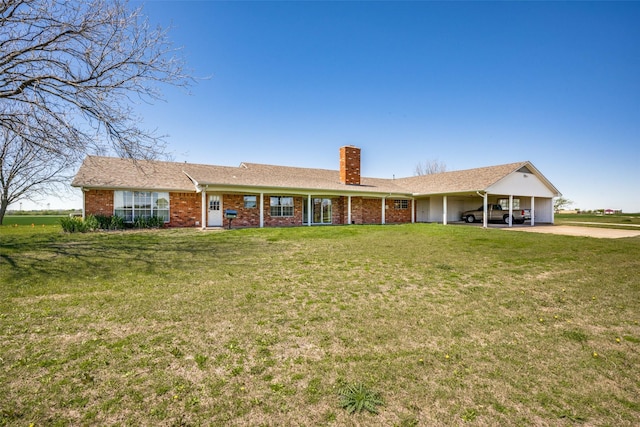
[247, 217]
[356, 210]
[98, 202]
[395, 216]
[185, 209]
[250, 217]
[350, 165]
[277, 221]
[371, 211]
[363, 211]
[339, 210]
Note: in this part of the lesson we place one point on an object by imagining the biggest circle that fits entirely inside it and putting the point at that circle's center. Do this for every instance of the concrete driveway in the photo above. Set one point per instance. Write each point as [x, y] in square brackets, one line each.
[571, 230]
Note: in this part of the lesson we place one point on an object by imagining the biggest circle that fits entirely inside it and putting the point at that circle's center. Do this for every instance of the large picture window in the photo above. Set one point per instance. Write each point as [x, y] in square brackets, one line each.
[141, 204]
[281, 206]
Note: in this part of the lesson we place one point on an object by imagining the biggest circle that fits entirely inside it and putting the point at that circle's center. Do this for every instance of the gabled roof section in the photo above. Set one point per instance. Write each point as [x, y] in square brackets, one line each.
[469, 180]
[530, 168]
[112, 172]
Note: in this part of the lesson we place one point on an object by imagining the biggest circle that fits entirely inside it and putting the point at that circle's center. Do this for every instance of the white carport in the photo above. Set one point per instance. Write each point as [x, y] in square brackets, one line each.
[443, 197]
[533, 190]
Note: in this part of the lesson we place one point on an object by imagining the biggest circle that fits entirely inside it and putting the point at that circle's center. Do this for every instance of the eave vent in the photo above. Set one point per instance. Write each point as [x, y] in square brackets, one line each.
[524, 169]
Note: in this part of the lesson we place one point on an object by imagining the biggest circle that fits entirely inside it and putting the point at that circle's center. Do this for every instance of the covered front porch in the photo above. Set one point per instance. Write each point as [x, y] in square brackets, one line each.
[291, 207]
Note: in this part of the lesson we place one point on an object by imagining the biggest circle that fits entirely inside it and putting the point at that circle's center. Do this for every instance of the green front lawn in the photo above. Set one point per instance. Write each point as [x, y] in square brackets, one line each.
[450, 325]
[28, 220]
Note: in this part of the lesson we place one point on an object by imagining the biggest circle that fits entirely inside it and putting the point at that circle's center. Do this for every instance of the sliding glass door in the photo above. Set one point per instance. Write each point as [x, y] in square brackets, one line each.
[320, 211]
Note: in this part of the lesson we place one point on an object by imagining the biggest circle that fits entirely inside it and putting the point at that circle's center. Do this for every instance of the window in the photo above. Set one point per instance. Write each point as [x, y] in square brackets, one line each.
[141, 204]
[123, 205]
[281, 206]
[250, 202]
[214, 202]
[505, 204]
[401, 204]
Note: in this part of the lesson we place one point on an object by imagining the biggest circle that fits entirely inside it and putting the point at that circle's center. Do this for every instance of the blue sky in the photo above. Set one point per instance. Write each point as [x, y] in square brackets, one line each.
[467, 83]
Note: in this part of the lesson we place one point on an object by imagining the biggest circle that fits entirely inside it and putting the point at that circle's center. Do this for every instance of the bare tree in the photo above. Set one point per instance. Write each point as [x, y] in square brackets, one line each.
[71, 72]
[27, 170]
[430, 167]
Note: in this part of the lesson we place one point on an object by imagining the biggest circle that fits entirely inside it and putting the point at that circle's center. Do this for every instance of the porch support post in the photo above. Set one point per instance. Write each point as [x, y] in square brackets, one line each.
[309, 210]
[413, 211]
[203, 220]
[261, 210]
[510, 210]
[444, 210]
[84, 203]
[533, 211]
[349, 210]
[384, 204]
[485, 220]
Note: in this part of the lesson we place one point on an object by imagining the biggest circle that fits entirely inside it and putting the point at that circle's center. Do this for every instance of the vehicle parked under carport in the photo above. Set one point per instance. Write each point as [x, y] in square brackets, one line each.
[495, 213]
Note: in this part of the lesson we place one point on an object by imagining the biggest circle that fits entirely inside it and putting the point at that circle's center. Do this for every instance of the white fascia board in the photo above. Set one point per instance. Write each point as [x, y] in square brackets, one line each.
[473, 193]
[197, 186]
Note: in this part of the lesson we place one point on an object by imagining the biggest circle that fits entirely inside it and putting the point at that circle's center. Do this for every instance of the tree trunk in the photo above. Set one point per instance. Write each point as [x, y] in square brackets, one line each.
[4, 203]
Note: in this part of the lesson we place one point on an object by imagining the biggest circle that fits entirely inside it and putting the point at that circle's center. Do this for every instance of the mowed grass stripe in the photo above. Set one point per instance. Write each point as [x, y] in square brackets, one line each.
[263, 327]
[28, 220]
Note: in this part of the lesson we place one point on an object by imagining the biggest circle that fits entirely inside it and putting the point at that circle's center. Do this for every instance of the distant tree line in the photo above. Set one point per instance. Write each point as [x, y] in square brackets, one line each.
[44, 212]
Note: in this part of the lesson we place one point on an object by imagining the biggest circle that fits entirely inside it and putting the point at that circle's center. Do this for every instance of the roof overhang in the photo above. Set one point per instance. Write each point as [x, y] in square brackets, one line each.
[125, 188]
[253, 189]
[473, 193]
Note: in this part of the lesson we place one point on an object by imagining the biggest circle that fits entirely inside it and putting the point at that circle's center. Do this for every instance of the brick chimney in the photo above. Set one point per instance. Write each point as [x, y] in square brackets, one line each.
[350, 165]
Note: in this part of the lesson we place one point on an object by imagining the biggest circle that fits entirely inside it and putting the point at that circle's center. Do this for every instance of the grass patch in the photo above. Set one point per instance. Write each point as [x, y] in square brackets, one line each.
[36, 220]
[452, 325]
[619, 221]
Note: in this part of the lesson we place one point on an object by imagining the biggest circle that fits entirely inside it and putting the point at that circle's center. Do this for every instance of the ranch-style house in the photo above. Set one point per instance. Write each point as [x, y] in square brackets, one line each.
[196, 195]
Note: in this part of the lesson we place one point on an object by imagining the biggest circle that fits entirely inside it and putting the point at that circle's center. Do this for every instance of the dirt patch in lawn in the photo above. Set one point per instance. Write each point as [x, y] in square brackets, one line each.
[570, 230]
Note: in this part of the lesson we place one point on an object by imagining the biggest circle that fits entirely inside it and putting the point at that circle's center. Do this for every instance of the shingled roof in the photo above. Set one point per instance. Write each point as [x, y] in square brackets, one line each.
[112, 172]
[116, 173]
[469, 180]
[270, 176]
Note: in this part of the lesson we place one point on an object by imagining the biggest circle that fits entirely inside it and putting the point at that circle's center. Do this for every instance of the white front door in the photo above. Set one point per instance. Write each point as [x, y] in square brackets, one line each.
[422, 214]
[215, 210]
